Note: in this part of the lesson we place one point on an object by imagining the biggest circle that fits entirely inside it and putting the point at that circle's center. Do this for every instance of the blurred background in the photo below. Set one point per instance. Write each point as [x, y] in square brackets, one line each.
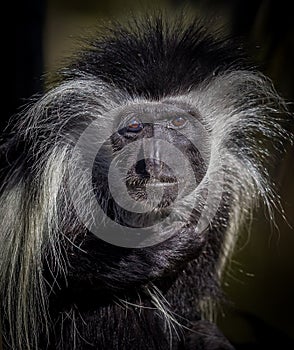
[260, 280]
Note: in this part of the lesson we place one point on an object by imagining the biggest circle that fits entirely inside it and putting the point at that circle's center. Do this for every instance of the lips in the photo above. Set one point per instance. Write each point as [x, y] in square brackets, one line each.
[159, 184]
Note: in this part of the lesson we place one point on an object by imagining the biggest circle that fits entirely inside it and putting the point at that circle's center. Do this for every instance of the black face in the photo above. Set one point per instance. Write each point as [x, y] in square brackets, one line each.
[161, 134]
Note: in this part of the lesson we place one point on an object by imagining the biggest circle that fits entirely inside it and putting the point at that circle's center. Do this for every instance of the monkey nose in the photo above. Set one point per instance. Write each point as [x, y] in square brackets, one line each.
[154, 169]
[154, 154]
[159, 170]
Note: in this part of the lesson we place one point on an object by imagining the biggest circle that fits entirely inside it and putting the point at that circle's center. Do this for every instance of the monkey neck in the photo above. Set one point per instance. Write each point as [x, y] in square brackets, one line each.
[95, 320]
[109, 327]
[86, 318]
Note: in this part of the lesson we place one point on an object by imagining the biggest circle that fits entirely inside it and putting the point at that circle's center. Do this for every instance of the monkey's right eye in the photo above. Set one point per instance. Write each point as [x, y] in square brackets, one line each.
[134, 125]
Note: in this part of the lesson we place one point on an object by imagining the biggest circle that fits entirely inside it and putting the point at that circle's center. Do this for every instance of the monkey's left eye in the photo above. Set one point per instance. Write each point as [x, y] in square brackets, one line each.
[134, 125]
[178, 121]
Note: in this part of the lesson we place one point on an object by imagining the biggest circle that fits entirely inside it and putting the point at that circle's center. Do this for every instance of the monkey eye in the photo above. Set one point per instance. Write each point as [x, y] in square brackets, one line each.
[178, 121]
[134, 125]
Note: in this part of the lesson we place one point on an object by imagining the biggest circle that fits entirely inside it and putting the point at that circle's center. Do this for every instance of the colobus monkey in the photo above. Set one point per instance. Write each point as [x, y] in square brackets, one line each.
[124, 188]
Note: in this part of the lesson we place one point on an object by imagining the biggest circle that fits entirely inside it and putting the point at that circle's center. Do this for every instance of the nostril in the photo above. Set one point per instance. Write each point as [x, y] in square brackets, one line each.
[160, 171]
[152, 168]
[140, 169]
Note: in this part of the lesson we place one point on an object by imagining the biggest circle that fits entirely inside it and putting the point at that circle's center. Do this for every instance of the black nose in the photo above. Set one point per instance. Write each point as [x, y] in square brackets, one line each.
[140, 169]
[155, 169]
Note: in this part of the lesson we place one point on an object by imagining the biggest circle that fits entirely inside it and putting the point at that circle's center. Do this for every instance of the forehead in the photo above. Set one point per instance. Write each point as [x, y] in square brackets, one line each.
[152, 111]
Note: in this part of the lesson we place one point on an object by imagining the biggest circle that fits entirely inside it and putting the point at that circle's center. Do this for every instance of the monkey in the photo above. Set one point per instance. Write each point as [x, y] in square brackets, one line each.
[124, 187]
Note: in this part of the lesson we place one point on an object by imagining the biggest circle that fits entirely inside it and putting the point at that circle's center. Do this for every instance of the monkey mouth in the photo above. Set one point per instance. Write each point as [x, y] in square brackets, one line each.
[160, 192]
[154, 183]
[162, 184]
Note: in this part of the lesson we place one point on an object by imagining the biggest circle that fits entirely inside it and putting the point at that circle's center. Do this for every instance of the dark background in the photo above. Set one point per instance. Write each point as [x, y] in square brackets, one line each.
[260, 280]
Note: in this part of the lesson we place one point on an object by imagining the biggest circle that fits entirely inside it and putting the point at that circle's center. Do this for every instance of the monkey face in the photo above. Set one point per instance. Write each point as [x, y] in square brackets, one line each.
[149, 168]
[148, 179]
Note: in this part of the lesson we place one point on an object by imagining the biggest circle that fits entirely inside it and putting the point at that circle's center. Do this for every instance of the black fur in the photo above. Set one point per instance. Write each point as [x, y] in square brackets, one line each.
[156, 57]
[108, 298]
